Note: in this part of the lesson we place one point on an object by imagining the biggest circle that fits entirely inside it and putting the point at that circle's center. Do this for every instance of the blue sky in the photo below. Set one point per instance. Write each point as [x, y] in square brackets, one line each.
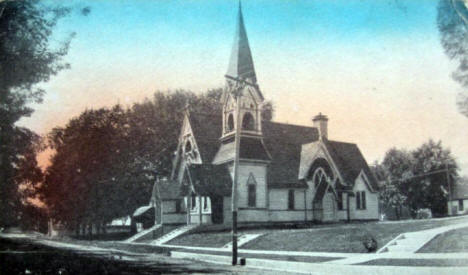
[375, 67]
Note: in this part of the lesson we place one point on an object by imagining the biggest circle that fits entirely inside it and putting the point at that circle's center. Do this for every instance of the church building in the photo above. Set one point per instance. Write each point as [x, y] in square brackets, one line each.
[286, 173]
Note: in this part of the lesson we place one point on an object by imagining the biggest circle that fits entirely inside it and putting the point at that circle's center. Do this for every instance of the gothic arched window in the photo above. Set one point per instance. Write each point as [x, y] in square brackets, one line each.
[319, 177]
[252, 191]
[248, 122]
[230, 123]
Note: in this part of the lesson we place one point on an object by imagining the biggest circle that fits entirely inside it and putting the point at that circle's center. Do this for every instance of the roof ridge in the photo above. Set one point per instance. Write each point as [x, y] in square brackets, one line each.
[342, 142]
[289, 124]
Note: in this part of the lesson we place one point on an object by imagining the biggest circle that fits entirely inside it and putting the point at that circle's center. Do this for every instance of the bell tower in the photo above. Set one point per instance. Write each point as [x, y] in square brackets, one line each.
[241, 81]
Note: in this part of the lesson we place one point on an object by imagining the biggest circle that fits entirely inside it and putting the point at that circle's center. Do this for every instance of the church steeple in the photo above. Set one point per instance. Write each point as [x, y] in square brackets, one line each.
[241, 82]
[241, 64]
[242, 105]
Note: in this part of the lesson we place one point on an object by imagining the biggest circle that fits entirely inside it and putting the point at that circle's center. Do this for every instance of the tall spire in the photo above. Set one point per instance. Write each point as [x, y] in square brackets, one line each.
[241, 63]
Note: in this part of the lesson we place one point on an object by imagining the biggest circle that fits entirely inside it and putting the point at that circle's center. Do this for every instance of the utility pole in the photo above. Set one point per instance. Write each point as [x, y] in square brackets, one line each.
[448, 181]
[236, 176]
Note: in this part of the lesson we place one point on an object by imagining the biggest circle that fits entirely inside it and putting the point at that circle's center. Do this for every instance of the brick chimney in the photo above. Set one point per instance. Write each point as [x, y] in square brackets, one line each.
[321, 123]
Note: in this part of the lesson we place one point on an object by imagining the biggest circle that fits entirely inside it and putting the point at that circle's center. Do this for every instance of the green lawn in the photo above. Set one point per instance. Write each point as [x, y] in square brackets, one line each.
[325, 238]
[342, 238]
[451, 241]
[209, 239]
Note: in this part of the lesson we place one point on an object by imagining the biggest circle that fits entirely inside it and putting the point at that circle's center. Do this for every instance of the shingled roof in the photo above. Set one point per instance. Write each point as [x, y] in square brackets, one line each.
[205, 177]
[250, 148]
[349, 161]
[168, 189]
[284, 143]
[206, 129]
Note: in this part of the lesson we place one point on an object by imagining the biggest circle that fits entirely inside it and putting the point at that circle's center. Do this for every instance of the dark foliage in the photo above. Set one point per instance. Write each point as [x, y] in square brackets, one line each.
[418, 179]
[452, 21]
[105, 160]
[27, 57]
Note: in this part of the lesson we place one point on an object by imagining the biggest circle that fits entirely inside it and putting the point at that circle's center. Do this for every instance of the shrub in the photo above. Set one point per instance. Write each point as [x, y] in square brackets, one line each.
[370, 244]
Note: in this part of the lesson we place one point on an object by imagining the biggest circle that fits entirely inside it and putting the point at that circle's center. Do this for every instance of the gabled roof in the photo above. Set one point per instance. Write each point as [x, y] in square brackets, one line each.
[284, 143]
[210, 180]
[142, 210]
[206, 130]
[168, 189]
[349, 161]
[241, 64]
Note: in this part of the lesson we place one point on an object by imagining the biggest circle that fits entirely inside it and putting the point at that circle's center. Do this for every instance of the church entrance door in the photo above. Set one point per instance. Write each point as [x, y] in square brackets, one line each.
[217, 209]
[329, 208]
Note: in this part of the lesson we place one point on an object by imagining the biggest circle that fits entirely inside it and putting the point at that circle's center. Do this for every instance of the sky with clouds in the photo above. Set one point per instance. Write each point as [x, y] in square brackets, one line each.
[374, 67]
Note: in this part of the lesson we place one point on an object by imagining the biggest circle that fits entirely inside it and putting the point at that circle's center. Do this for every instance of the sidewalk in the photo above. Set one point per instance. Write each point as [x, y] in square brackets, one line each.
[317, 268]
[413, 241]
[392, 262]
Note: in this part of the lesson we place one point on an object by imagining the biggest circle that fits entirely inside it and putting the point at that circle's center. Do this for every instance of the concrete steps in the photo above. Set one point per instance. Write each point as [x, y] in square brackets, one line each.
[411, 242]
[174, 234]
[142, 234]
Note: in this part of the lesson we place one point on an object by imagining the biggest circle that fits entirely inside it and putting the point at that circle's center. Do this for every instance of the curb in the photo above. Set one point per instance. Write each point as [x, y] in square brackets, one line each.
[322, 268]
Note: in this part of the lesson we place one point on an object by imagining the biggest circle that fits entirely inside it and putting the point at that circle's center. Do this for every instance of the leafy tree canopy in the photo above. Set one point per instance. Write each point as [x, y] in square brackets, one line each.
[27, 58]
[418, 178]
[106, 159]
[452, 22]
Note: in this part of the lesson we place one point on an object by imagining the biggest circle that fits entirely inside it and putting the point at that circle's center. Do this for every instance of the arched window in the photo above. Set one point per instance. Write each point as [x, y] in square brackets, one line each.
[252, 195]
[248, 122]
[319, 177]
[252, 191]
[230, 123]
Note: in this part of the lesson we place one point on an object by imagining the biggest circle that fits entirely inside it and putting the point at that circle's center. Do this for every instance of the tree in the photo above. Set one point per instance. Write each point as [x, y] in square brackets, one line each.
[394, 171]
[430, 190]
[418, 178]
[24, 174]
[452, 20]
[79, 186]
[26, 59]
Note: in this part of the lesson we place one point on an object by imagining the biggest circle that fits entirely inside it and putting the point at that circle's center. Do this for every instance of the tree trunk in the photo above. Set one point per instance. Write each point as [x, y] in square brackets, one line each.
[397, 213]
[98, 230]
[104, 228]
[90, 230]
[77, 229]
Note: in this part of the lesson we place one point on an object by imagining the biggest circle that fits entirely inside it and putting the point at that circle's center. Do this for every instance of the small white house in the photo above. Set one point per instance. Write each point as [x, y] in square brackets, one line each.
[166, 206]
[458, 202]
